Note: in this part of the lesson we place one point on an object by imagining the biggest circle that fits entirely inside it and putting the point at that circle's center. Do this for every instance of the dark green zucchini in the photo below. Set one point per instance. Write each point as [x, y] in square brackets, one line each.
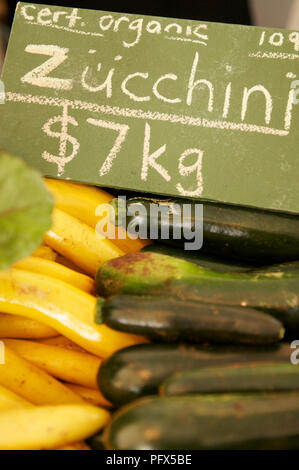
[291, 268]
[170, 320]
[232, 379]
[242, 233]
[214, 263]
[155, 274]
[210, 422]
[96, 441]
[139, 370]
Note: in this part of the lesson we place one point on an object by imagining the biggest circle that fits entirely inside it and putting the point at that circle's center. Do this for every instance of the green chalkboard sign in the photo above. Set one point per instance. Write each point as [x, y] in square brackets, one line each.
[176, 107]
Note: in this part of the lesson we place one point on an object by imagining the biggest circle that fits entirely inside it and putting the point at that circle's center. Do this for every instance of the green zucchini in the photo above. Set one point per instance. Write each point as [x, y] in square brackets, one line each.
[232, 379]
[242, 233]
[292, 268]
[152, 273]
[96, 441]
[197, 257]
[170, 320]
[207, 422]
[139, 370]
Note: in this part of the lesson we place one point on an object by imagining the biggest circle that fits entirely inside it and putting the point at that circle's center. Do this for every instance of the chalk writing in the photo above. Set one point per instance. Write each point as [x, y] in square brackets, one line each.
[159, 105]
[122, 129]
[61, 159]
[278, 39]
[39, 77]
[133, 28]
[147, 115]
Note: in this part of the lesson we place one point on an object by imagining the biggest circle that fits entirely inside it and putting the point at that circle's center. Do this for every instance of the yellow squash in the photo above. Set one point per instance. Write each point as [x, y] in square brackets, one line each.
[70, 366]
[81, 201]
[61, 306]
[9, 399]
[91, 395]
[62, 342]
[69, 264]
[32, 383]
[76, 446]
[45, 252]
[58, 271]
[49, 427]
[79, 243]
[18, 326]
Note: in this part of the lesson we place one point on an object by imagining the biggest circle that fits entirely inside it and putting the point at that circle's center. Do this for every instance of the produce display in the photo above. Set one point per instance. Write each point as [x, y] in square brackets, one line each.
[246, 421]
[110, 343]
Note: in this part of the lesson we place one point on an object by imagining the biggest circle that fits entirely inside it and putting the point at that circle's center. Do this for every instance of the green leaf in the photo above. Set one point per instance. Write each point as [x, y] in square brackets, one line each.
[25, 209]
